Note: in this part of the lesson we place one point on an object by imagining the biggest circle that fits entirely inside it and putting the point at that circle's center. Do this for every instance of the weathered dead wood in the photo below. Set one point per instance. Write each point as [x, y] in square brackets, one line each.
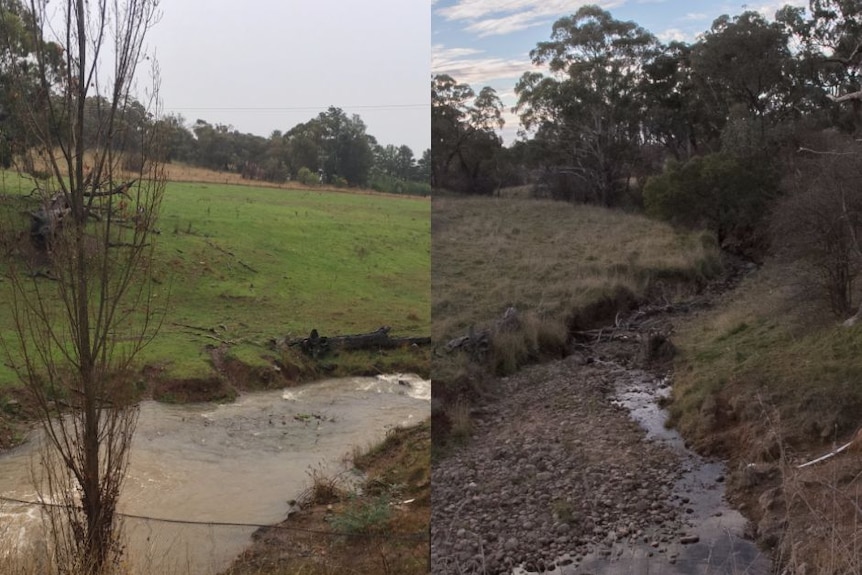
[231, 254]
[604, 334]
[315, 345]
[846, 97]
[48, 219]
[478, 343]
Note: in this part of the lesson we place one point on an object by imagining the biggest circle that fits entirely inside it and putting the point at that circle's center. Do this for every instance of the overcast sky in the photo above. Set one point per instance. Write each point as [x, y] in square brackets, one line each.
[487, 42]
[264, 65]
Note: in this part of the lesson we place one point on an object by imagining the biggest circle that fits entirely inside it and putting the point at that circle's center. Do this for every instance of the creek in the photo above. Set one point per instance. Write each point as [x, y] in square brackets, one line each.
[715, 541]
[241, 462]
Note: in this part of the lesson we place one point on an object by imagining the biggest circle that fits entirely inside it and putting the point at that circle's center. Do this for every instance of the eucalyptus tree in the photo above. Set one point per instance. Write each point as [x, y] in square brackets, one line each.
[464, 140]
[744, 68]
[78, 333]
[829, 36]
[590, 106]
[345, 147]
[19, 76]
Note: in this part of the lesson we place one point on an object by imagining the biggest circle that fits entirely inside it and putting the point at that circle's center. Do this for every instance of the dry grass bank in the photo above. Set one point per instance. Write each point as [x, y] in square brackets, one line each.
[562, 266]
[179, 172]
[770, 380]
[549, 257]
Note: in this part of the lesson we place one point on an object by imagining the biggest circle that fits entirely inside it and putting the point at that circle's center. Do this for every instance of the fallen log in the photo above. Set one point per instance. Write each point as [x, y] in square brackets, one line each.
[48, 219]
[316, 345]
[477, 344]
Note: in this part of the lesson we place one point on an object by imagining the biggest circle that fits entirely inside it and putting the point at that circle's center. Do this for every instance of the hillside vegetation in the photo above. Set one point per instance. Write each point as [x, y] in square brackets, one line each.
[562, 266]
[551, 258]
[769, 380]
[239, 266]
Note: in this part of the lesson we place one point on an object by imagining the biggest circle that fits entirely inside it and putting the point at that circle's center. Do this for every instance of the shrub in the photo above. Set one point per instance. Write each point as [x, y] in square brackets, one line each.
[727, 195]
[819, 221]
[307, 177]
[363, 516]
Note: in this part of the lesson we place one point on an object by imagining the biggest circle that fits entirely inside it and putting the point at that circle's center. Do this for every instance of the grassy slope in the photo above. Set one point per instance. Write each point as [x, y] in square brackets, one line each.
[550, 257]
[769, 380]
[337, 262]
[770, 350]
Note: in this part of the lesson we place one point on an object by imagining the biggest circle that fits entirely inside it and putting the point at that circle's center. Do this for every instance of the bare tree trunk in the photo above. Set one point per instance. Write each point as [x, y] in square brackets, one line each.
[78, 336]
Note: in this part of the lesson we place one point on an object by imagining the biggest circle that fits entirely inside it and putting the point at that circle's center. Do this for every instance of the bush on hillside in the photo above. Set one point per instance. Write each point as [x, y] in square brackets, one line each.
[819, 221]
[724, 194]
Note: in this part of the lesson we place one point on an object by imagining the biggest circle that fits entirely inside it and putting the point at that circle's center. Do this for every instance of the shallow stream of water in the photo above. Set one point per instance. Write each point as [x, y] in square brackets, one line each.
[715, 543]
[234, 463]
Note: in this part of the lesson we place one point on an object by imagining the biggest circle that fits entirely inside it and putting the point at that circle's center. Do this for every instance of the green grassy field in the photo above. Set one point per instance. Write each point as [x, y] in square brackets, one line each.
[244, 265]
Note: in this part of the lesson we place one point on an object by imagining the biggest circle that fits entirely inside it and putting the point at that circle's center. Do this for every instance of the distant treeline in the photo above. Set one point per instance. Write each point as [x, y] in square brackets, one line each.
[332, 149]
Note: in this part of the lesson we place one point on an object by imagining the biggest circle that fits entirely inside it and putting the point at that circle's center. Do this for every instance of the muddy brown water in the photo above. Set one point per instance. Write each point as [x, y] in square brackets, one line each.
[234, 463]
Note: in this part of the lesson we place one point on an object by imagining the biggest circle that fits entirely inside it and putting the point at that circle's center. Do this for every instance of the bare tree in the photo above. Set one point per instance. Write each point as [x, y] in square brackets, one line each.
[80, 329]
[819, 219]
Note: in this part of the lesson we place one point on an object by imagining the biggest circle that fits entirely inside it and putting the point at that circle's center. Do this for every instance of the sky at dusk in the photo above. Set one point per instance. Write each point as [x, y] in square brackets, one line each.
[260, 65]
[487, 42]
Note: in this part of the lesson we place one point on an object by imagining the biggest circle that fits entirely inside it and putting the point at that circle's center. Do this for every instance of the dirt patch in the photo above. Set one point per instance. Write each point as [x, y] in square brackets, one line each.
[193, 390]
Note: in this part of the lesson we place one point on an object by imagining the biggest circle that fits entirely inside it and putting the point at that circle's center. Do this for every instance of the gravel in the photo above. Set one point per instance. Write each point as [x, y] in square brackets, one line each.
[554, 472]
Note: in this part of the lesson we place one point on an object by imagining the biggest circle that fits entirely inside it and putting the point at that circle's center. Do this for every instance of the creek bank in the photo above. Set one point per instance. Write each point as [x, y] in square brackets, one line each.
[396, 470]
[560, 476]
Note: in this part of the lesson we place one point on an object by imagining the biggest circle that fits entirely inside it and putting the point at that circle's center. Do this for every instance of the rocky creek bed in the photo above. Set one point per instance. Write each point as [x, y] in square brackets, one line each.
[571, 471]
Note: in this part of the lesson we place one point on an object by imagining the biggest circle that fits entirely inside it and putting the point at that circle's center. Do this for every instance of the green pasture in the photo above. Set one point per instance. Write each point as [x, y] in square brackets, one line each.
[244, 265]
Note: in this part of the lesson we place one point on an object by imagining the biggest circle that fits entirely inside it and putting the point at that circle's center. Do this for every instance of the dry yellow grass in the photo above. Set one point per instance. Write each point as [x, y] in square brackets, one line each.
[546, 257]
[180, 172]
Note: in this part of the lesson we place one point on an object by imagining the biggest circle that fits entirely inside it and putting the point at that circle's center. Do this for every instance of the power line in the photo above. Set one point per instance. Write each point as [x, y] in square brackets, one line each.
[411, 537]
[302, 108]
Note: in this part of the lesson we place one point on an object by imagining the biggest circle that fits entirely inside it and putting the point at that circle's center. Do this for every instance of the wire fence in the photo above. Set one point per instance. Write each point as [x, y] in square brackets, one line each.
[418, 536]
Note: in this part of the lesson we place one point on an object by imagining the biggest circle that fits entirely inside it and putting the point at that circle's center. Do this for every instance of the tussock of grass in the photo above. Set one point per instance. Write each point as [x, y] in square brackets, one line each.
[823, 509]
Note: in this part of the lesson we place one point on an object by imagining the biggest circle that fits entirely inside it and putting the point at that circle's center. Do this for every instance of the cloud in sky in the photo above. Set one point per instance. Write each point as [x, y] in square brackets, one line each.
[695, 17]
[674, 35]
[768, 9]
[499, 17]
[473, 67]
